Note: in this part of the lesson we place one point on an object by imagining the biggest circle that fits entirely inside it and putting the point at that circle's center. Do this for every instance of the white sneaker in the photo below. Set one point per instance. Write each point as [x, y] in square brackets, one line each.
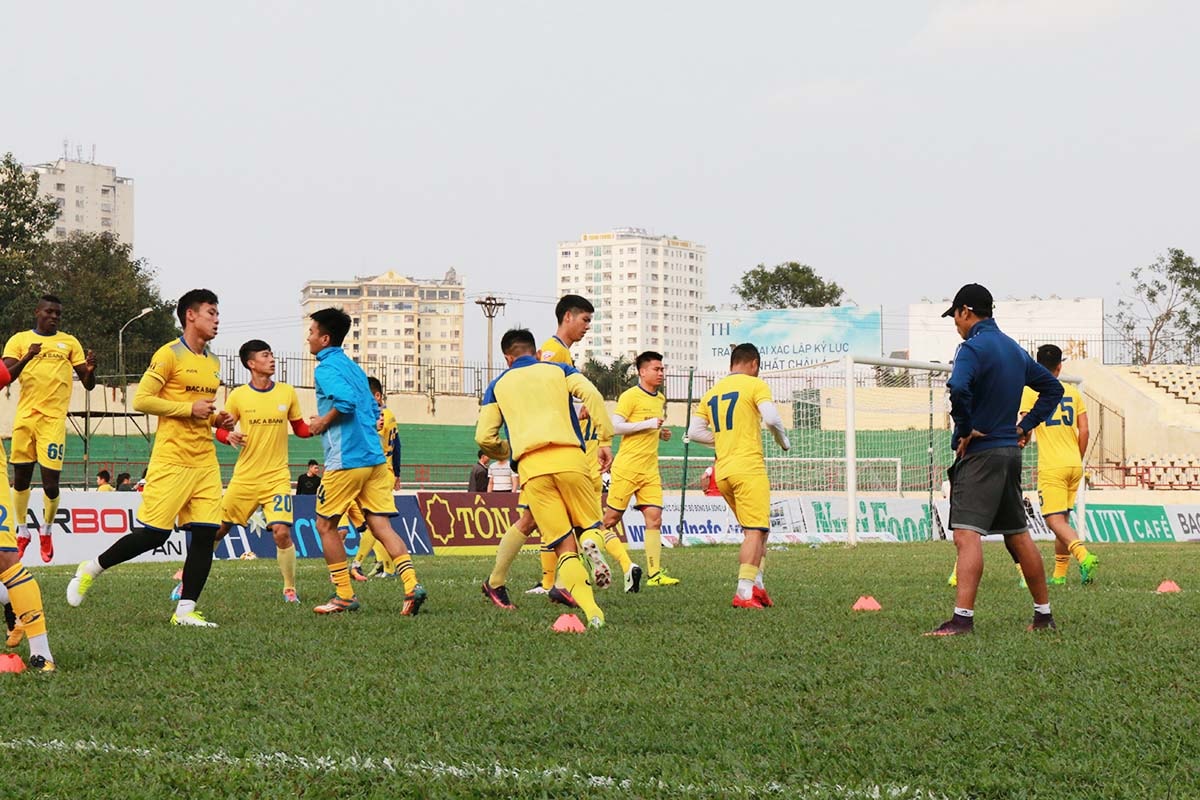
[193, 618]
[537, 589]
[79, 585]
[596, 623]
[601, 574]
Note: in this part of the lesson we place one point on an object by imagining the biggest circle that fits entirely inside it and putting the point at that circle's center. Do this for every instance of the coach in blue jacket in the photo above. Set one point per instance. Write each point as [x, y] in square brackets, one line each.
[990, 372]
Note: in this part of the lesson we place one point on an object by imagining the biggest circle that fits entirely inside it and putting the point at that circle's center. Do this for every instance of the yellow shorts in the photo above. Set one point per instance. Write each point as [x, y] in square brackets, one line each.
[354, 516]
[561, 504]
[371, 487]
[40, 439]
[1057, 489]
[749, 498]
[179, 495]
[647, 488]
[243, 498]
[8, 518]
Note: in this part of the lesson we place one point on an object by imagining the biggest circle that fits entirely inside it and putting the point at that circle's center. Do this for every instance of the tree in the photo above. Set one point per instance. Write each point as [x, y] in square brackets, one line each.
[610, 379]
[25, 219]
[787, 285]
[102, 287]
[1161, 321]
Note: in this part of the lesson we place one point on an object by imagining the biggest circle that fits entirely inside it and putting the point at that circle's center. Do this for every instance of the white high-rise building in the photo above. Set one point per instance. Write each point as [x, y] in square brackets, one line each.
[91, 198]
[408, 332]
[648, 292]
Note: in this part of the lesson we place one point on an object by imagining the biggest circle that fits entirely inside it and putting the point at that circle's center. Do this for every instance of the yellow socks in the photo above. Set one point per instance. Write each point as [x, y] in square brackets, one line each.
[574, 579]
[1061, 563]
[745, 585]
[510, 545]
[340, 572]
[287, 566]
[616, 548]
[26, 599]
[1078, 550]
[653, 551]
[1020, 571]
[407, 574]
[366, 543]
[49, 512]
[21, 506]
[549, 565]
[381, 556]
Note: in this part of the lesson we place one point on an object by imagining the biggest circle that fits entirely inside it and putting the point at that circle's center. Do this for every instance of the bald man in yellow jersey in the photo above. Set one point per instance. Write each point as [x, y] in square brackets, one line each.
[531, 399]
[264, 409]
[730, 417]
[183, 479]
[1062, 442]
[639, 420]
[43, 359]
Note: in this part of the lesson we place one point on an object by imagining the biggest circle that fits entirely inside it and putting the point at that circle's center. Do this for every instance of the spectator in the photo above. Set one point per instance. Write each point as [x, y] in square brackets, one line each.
[501, 478]
[104, 481]
[478, 481]
[123, 482]
[310, 481]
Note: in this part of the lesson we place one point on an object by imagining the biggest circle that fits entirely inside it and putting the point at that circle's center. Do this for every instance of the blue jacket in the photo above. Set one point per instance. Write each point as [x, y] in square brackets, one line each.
[990, 372]
[353, 440]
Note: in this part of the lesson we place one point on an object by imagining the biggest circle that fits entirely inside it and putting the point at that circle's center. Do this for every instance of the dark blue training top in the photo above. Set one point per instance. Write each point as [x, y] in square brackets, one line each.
[990, 372]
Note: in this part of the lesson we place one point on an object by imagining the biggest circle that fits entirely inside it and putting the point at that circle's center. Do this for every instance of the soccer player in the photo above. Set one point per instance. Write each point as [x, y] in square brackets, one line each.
[730, 417]
[1062, 441]
[104, 481]
[640, 414]
[574, 315]
[532, 400]
[19, 591]
[43, 359]
[265, 409]
[355, 467]
[389, 440]
[183, 479]
[985, 479]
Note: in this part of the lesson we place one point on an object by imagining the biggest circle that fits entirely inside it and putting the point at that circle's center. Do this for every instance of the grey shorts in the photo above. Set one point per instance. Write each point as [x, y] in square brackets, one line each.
[985, 492]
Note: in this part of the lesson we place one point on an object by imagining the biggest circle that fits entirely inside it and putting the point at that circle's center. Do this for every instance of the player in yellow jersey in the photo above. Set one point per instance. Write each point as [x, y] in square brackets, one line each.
[1062, 441]
[263, 409]
[389, 440]
[18, 587]
[183, 479]
[639, 420]
[43, 359]
[730, 417]
[531, 399]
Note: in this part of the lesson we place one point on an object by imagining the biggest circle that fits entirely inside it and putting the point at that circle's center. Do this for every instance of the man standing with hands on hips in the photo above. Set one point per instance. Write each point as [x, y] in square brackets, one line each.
[990, 373]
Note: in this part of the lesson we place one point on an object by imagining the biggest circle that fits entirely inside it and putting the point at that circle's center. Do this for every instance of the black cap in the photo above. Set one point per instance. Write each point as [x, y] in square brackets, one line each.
[972, 297]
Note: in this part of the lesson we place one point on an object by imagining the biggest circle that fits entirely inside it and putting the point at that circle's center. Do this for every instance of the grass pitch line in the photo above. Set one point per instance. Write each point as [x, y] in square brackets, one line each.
[466, 772]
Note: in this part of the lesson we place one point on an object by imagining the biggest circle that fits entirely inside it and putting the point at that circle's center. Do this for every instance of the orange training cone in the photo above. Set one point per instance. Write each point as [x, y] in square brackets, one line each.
[11, 662]
[1168, 586]
[867, 603]
[568, 623]
[179, 575]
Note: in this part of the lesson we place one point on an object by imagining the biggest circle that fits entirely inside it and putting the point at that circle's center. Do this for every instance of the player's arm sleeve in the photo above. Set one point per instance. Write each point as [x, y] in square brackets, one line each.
[339, 391]
[1049, 390]
[771, 418]
[593, 401]
[621, 427]
[698, 431]
[487, 432]
[396, 453]
[76, 354]
[959, 384]
[1028, 398]
[146, 399]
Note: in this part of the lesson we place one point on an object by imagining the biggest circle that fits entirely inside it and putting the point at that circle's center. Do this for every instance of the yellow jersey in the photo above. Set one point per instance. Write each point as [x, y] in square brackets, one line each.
[730, 408]
[264, 416]
[1058, 436]
[544, 434]
[555, 351]
[46, 379]
[175, 380]
[389, 439]
[638, 452]
[108, 487]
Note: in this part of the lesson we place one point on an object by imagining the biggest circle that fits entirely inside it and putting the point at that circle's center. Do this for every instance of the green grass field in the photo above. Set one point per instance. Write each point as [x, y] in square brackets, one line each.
[679, 695]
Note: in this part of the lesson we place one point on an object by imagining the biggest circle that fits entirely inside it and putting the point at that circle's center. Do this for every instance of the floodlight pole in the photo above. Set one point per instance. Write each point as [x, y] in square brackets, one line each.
[491, 306]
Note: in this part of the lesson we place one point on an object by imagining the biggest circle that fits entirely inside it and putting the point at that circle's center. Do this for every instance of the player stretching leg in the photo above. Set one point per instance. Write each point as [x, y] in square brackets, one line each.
[544, 437]
[640, 414]
[1062, 442]
[730, 416]
[42, 359]
[355, 468]
[183, 479]
[264, 409]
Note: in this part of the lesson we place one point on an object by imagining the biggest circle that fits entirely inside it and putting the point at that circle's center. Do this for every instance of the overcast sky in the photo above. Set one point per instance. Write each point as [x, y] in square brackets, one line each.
[900, 148]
